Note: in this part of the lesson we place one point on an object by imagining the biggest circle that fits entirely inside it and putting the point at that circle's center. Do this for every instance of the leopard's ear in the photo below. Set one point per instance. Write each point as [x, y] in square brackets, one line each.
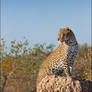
[67, 28]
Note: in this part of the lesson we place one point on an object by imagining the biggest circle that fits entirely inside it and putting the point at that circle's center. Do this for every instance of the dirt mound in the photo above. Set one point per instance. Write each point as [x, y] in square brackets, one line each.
[64, 84]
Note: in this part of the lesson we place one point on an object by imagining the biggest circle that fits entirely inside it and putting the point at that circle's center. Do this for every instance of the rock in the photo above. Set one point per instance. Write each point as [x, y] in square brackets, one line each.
[63, 84]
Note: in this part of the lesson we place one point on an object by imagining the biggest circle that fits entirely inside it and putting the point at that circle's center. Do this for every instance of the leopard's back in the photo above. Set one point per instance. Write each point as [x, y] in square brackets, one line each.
[52, 61]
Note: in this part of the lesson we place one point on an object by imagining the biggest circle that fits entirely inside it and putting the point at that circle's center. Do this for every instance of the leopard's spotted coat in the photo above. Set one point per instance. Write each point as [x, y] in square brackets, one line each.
[62, 59]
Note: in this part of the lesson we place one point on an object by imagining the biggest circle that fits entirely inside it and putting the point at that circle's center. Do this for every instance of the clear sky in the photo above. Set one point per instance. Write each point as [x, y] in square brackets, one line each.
[40, 20]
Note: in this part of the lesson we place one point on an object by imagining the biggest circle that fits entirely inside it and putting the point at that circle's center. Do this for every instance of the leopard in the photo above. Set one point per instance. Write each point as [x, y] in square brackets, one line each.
[61, 61]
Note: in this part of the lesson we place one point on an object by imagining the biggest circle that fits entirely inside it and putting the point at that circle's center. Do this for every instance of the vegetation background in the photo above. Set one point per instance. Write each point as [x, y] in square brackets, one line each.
[19, 64]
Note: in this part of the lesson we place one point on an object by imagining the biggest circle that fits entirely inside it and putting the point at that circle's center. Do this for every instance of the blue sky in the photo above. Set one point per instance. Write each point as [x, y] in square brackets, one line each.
[40, 20]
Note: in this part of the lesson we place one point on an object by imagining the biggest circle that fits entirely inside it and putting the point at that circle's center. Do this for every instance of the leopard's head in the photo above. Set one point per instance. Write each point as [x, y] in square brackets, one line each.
[66, 35]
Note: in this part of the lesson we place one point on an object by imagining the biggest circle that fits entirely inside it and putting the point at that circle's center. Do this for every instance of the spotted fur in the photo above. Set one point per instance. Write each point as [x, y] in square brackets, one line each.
[60, 61]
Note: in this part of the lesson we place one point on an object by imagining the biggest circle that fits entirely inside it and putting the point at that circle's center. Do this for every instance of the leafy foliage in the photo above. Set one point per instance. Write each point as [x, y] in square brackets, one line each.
[19, 65]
